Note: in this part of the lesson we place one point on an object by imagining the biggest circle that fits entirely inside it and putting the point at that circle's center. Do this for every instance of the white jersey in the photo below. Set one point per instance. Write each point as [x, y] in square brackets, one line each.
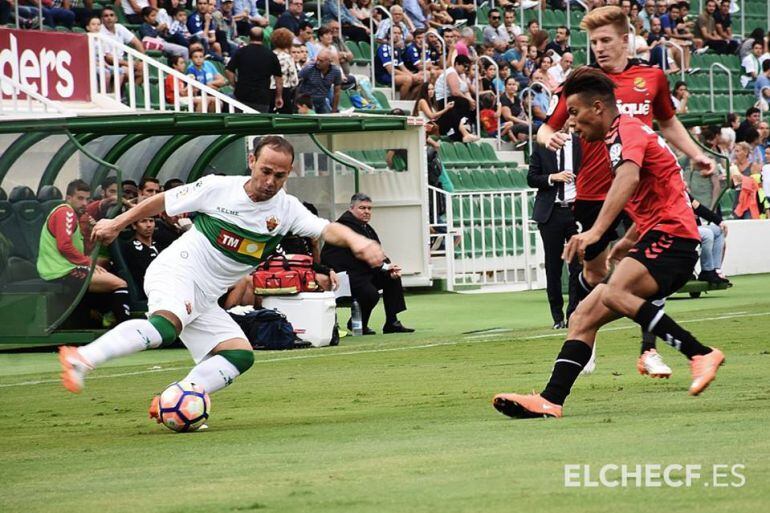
[232, 233]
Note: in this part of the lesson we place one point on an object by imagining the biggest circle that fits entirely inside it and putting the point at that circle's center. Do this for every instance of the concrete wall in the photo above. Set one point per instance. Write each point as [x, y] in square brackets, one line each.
[748, 247]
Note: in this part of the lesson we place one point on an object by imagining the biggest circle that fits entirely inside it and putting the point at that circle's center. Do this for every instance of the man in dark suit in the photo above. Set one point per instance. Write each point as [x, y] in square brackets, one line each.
[553, 174]
[365, 282]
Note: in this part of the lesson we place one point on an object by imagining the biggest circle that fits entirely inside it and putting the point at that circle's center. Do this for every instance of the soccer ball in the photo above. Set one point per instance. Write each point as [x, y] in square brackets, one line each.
[184, 406]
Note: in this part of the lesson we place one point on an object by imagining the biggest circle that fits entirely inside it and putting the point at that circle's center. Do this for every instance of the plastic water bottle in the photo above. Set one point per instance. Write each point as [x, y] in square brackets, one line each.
[355, 319]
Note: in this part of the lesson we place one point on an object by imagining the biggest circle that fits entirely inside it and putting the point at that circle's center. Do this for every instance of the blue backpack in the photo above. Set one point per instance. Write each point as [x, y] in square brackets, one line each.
[268, 329]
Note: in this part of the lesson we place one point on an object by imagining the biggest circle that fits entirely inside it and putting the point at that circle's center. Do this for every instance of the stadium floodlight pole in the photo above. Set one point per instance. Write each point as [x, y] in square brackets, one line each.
[729, 83]
[443, 52]
[497, 97]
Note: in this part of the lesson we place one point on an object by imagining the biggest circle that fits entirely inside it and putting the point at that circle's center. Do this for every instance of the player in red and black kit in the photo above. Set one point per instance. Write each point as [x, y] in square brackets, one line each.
[656, 257]
[642, 92]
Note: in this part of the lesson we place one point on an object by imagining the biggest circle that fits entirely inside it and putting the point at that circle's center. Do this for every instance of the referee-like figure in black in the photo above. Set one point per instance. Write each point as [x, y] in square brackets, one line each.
[553, 175]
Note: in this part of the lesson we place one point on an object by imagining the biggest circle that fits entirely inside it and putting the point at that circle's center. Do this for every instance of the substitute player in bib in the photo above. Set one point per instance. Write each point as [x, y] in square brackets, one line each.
[240, 219]
[642, 92]
[661, 246]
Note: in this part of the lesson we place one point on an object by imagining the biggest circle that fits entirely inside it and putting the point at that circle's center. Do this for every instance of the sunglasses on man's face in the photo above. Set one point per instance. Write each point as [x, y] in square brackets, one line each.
[492, 18]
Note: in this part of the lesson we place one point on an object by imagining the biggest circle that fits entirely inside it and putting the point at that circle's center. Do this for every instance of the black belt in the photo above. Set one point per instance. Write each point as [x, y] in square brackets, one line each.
[564, 204]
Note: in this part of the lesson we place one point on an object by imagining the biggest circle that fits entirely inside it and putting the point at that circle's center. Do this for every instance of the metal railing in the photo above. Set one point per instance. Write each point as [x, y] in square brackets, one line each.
[32, 103]
[497, 99]
[100, 46]
[488, 238]
[373, 45]
[443, 58]
[729, 83]
[664, 62]
[532, 93]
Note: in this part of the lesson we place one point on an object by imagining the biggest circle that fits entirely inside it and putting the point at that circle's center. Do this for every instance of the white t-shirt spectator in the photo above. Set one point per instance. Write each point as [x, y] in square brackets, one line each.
[121, 35]
[384, 29]
[442, 91]
[752, 64]
[557, 73]
[139, 3]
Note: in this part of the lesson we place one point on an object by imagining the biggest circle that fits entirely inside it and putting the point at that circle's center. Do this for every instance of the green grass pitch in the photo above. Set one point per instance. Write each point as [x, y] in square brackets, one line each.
[402, 423]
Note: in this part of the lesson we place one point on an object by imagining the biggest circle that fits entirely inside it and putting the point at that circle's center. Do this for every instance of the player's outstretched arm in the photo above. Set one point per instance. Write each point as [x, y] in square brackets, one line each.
[623, 186]
[550, 138]
[364, 249]
[674, 132]
[106, 230]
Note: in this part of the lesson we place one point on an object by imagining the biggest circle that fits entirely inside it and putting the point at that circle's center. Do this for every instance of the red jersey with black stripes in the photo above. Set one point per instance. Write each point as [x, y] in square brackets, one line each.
[642, 92]
[660, 201]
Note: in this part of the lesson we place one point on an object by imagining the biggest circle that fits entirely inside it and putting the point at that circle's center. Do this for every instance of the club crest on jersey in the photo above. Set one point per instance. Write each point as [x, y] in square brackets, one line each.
[640, 85]
[272, 223]
[615, 151]
[553, 104]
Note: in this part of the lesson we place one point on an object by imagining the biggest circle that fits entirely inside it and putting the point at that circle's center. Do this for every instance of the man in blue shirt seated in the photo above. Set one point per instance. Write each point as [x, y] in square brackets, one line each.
[202, 27]
[762, 85]
[292, 17]
[389, 66]
[319, 80]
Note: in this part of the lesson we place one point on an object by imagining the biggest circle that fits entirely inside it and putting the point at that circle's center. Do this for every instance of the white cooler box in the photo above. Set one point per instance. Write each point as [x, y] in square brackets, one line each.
[312, 314]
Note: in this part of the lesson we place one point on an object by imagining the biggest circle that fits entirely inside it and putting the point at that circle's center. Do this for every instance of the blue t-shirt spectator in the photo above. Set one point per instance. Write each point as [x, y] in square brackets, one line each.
[667, 22]
[412, 56]
[762, 81]
[195, 24]
[204, 75]
[384, 57]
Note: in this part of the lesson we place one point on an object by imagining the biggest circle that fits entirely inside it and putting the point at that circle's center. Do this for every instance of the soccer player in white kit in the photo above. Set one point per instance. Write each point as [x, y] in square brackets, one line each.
[239, 221]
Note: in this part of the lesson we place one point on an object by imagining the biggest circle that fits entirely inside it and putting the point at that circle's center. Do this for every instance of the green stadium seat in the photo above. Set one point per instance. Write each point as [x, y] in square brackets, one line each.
[382, 99]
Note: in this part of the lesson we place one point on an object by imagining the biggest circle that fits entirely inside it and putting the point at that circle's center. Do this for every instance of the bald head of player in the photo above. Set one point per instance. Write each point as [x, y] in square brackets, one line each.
[270, 165]
[607, 29]
[591, 103]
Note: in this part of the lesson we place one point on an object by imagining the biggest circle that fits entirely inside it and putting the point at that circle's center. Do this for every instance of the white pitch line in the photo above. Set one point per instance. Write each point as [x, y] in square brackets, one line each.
[466, 340]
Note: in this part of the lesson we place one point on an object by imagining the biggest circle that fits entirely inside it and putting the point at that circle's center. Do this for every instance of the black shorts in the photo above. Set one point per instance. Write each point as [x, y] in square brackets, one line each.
[586, 212]
[74, 280]
[670, 260]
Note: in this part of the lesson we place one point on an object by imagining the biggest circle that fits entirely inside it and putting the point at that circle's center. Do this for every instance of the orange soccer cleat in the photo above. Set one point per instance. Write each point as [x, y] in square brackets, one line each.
[651, 363]
[74, 369]
[525, 406]
[704, 370]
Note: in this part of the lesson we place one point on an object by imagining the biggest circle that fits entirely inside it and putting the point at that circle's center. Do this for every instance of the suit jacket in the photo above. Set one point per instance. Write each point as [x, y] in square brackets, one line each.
[542, 163]
[342, 259]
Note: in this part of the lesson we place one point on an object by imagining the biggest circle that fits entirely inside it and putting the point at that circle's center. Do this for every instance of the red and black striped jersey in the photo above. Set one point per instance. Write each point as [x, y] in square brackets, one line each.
[642, 92]
[660, 201]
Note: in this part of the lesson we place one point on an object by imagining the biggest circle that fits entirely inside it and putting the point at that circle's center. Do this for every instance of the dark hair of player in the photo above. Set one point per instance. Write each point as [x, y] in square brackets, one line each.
[591, 84]
[275, 143]
[77, 185]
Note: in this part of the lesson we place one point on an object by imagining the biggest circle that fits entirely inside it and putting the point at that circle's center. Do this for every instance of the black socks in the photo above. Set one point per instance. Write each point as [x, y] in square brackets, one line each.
[119, 304]
[651, 318]
[648, 341]
[583, 288]
[573, 357]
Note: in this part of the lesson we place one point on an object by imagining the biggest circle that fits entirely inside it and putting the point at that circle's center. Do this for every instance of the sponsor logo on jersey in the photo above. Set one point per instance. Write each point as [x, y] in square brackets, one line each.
[272, 223]
[228, 211]
[634, 109]
[615, 151]
[640, 85]
[553, 104]
[238, 244]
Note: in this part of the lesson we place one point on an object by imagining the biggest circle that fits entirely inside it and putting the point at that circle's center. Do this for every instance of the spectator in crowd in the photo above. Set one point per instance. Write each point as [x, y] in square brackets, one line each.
[362, 11]
[307, 38]
[177, 31]
[538, 102]
[120, 34]
[647, 14]
[517, 58]
[511, 28]
[764, 134]
[132, 9]
[751, 121]
[344, 54]
[201, 26]
[746, 204]
[99, 56]
[539, 40]
[225, 29]
[756, 155]
[511, 110]
[299, 54]
[495, 30]
[251, 70]
[153, 35]
[321, 80]
[452, 86]
[560, 44]
[706, 29]
[412, 55]
[292, 17]
[139, 252]
[661, 8]
[676, 30]
[745, 47]
[303, 105]
[54, 12]
[98, 209]
[765, 173]
[281, 40]
[61, 257]
[462, 10]
[542, 75]
[723, 21]
[762, 84]
[398, 19]
[172, 183]
[712, 234]
[130, 191]
[204, 71]
[560, 71]
[466, 44]
[414, 11]
[246, 16]
[533, 61]
[148, 187]
[389, 67]
[183, 93]
[489, 80]
[366, 282]
[679, 97]
[752, 64]
[428, 108]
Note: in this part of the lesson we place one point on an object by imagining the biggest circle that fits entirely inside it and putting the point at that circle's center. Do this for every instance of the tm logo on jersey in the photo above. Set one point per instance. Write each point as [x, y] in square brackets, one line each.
[238, 244]
[634, 109]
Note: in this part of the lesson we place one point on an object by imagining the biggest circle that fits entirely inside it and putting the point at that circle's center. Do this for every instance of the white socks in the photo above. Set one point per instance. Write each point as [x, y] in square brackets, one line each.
[126, 338]
[213, 373]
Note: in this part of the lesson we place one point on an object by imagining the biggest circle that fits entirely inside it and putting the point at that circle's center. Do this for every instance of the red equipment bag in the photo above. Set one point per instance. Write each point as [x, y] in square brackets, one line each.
[280, 275]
